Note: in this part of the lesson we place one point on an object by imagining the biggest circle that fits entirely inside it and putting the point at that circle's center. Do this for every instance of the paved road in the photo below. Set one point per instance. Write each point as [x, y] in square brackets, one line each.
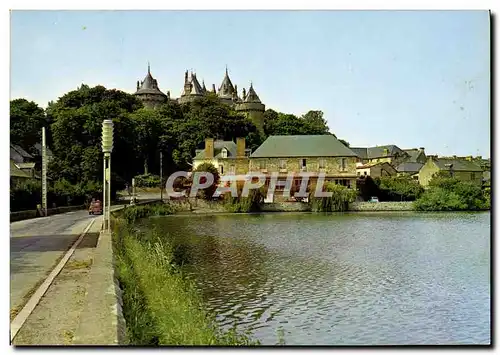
[36, 245]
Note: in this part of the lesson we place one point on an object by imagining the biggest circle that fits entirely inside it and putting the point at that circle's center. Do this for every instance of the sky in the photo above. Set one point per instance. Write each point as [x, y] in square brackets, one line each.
[409, 78]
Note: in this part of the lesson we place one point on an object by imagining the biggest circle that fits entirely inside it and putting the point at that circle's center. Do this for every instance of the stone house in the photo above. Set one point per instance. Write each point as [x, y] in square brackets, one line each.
[306, 153]
[375, 169]
[228, 157]
[464, 170]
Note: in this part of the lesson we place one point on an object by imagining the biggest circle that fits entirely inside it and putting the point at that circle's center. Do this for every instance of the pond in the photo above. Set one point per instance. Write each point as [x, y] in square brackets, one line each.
[341, 279]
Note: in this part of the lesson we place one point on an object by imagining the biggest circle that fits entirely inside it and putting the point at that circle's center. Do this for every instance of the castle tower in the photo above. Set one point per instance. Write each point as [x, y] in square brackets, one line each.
[149, 93]
[252, 107]
[226, 90]
[192, 89]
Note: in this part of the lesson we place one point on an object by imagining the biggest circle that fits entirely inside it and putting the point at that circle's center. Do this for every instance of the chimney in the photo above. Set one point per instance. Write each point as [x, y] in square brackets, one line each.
[421, 149]
[209, 148]
[386, 152]
[240, 147]
[454, 157]
[479, 157]
[469, 157]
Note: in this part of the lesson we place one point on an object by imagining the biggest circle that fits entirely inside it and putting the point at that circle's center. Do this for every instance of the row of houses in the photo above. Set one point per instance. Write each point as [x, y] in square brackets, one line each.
[326, 154]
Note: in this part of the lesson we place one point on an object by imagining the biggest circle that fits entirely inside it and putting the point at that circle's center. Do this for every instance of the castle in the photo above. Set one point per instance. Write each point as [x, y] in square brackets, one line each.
[249, 103]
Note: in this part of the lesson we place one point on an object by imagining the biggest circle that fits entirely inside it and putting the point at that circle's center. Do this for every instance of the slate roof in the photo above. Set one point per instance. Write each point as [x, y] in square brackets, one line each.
[409, 167]
[458, 165]
[196, 88]
[361, 152]
[377, 152]
[302, 146]
[252, 95]
[19, 153]
[149, 85]
[226, 89]
[218, 145]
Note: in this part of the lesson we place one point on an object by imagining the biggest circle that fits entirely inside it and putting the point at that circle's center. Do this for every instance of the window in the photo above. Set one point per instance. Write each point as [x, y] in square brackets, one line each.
[224, 153]
[302, 163]
[359, 173]
[366, 173]
[282, 164]
[342, 164]
[322, 163]
[221, 169]
[473, 176]
[233, 170]
[262, 164]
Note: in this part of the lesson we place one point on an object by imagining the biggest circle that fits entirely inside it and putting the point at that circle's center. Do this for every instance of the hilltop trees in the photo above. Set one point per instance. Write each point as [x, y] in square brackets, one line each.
[74, 124]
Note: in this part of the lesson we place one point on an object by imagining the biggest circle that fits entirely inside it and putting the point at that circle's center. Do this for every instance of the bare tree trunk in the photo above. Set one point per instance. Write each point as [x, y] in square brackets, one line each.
[145, 166]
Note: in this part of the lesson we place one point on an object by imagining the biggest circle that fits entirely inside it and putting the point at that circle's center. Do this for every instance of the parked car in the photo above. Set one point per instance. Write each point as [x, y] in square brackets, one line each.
[95, 207]
[374, 199]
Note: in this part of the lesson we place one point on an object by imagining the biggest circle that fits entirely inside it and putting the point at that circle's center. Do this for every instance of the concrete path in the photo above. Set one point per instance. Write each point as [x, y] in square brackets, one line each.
[36, 245]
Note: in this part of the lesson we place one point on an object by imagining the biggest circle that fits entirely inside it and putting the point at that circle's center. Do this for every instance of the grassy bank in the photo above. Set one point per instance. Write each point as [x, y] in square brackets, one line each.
[160, 306]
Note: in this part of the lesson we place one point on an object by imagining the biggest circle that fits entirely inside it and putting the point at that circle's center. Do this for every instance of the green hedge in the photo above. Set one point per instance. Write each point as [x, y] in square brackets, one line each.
[147, 180]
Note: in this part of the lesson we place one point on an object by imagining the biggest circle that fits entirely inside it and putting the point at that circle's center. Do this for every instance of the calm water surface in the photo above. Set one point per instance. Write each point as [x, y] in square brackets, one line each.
[347, 279]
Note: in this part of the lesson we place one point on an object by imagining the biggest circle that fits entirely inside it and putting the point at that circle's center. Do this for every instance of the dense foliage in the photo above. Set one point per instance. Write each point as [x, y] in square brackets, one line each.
[147, 180]
[27, 194]
[451, 194]
[338, 202]
[240, 204]
[74, 124]
[207, 193]
[399, 188]
[389, 188]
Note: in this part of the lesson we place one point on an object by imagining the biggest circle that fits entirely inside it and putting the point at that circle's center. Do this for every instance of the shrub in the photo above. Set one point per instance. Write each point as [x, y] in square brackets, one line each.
[399, 188]
[240, 204]
[451, 194]
[131, 214]
[338, 202]
[147, 180]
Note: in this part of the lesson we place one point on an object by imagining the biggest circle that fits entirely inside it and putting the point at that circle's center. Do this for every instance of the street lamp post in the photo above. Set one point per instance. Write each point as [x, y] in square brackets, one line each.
[107, 148]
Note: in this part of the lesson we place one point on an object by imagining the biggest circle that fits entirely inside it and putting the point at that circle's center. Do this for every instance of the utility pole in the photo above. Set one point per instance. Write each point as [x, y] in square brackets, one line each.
[44, 173]
[161, 176]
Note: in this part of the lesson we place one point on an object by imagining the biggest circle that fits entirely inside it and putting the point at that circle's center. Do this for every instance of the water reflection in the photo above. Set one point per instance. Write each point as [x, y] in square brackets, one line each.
[342, 279]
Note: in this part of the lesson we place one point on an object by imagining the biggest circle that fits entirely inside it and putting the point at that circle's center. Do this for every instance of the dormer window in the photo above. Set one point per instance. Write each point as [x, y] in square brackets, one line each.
[224, 153]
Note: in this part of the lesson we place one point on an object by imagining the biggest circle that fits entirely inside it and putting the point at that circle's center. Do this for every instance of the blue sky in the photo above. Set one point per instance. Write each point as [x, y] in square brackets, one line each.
[410, 78]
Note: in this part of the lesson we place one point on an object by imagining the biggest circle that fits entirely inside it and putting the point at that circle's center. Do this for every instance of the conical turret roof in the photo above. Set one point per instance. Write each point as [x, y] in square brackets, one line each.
[226, 89]
[149, 85]
[252, 95]
[196, 88]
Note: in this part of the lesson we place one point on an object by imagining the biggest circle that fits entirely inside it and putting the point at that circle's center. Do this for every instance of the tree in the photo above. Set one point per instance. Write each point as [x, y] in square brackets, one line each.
[76, 133]
[26, 122]
[315, 122]
[148, 130]
[277, 123]
[400, 188]
[344, 143]
[207, 193]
